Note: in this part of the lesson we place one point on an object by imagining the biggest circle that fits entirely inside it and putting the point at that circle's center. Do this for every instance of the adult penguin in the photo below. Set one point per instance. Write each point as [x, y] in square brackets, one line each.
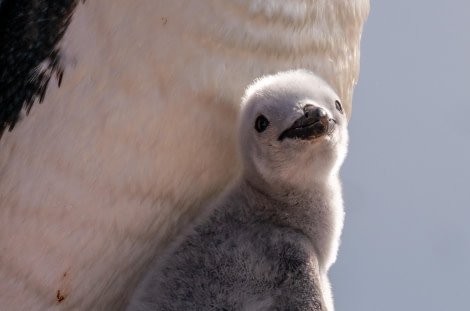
[136, 127]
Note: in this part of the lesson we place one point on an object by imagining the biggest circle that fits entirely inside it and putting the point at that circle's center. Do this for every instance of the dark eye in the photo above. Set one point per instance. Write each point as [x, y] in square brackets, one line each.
[338, 106]
[261, 123]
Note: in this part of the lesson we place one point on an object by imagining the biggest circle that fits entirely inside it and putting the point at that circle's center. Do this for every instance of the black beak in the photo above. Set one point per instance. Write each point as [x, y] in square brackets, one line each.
[314, 123]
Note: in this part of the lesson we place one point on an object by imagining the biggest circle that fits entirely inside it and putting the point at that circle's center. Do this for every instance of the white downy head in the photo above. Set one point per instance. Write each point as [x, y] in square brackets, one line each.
[293, 130]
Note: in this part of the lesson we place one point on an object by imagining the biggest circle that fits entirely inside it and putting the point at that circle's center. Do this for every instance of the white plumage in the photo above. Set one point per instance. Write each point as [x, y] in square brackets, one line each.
[96, 181]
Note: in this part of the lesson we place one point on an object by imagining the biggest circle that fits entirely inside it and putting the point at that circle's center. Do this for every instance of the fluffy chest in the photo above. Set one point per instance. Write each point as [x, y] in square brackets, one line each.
[320, 217]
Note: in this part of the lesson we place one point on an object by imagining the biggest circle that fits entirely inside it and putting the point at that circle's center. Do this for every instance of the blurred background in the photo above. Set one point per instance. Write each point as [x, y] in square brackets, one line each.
[406, 240]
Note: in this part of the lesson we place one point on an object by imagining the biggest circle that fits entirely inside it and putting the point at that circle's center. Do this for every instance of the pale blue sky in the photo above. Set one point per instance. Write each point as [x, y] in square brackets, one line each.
[406, 242]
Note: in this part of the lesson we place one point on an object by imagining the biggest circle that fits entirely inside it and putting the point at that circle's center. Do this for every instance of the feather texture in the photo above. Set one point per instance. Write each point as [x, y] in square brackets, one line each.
[98, 179]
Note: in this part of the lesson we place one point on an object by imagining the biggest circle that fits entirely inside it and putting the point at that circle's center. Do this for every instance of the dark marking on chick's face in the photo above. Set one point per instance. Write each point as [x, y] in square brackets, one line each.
[261, 124]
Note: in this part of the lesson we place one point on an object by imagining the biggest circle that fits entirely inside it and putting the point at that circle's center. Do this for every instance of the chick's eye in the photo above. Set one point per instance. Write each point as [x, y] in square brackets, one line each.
[261, 123]
[338, 106]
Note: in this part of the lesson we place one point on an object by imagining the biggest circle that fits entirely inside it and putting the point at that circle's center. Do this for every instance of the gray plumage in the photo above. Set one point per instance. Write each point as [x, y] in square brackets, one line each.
[269, 240]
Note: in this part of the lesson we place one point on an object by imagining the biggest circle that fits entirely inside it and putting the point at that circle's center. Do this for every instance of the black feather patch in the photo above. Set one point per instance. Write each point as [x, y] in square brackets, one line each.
[30, 31]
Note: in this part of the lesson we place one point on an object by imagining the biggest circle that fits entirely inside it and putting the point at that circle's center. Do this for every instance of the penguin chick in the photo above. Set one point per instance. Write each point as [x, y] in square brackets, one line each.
[268, 241]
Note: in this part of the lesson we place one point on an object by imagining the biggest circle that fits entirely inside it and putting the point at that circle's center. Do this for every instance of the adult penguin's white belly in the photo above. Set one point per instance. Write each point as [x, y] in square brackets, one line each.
[114, 163]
